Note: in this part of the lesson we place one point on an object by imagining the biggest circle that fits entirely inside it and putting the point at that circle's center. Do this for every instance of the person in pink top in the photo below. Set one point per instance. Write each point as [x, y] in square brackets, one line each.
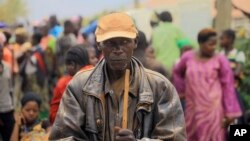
[205, 79]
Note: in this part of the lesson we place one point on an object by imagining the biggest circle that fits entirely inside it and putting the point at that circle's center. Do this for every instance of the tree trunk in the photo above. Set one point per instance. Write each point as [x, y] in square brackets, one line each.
[223, 17]
[136, 3]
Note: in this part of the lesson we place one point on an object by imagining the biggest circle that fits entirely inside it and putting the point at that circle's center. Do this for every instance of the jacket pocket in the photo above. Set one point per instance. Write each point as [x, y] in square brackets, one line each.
[143, 113]
[94, 121]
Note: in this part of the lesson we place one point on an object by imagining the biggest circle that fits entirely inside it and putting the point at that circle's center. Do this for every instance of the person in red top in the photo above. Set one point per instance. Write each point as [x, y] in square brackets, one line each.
[76, 59]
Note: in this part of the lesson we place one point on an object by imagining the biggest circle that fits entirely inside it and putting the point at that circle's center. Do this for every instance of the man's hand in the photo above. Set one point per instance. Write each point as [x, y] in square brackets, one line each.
[124, 134]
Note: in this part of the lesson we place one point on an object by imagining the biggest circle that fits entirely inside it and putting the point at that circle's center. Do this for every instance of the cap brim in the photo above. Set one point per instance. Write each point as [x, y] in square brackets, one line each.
[114, 34]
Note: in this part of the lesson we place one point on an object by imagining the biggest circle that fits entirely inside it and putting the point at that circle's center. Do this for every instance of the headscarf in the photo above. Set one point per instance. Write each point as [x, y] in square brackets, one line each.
[183, 42]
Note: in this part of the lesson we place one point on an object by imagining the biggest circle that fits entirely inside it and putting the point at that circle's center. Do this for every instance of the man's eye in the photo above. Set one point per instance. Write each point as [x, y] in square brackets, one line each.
[125, 42]
[107, 43]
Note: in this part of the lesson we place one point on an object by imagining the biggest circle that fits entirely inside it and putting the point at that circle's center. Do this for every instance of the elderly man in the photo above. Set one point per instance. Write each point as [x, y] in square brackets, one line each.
[92, 105]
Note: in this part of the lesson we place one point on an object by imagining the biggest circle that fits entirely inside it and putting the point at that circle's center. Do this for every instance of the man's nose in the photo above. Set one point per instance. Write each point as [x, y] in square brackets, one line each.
[31, 113]
[118, 49]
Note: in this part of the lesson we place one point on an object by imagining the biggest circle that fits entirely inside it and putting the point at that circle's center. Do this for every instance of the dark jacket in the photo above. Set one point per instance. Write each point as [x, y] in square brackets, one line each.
[82, 113]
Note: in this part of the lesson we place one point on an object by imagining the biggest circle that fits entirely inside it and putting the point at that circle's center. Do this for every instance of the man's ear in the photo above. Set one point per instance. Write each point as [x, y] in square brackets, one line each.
[99, 47]
[136, 41]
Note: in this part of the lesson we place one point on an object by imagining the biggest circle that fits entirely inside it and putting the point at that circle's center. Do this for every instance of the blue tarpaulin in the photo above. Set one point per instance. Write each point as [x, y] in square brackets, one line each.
[90, 28]
[3, 25]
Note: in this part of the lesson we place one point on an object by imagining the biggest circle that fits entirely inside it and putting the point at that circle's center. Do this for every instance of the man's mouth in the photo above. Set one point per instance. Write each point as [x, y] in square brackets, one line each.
[118, 60]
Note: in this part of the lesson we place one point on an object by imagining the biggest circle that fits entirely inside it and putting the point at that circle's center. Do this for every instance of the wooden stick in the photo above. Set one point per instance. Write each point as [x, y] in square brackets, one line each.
[125, 101]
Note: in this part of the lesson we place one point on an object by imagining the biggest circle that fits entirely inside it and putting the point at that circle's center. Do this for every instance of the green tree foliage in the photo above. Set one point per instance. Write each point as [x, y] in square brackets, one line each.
[12, 9]
[243, 44]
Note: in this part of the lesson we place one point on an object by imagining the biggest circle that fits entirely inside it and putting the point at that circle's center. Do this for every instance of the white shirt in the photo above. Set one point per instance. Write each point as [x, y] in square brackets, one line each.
[239, 56]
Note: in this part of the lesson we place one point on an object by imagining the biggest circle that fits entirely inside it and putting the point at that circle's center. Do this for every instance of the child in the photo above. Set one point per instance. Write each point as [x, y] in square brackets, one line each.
[93, 60]
[76, 59]
[28, 126]
[237, 58]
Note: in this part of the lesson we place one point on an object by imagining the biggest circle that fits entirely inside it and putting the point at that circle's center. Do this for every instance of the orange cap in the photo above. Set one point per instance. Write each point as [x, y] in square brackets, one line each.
[115, 25]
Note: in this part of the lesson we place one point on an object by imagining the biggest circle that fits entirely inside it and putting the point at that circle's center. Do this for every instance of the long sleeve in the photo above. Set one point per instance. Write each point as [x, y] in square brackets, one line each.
[54, 104]
[172, 116]
[70, 118]
[169, 123]
[57, 96]
[179, 74]
[230, 101]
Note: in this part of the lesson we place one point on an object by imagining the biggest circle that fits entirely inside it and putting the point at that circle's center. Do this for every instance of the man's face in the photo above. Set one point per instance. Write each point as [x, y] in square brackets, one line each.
[69, 29]
[224, 41]
[118, 52]
[44, 30]
[150, 52]
[52, 21]
[20, 39]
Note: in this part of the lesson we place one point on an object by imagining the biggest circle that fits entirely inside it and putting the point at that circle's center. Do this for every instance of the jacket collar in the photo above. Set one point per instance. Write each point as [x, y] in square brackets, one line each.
[133, 83]
[139, 84]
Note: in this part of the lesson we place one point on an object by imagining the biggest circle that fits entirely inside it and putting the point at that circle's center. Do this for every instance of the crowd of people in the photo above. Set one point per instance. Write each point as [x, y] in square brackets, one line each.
[41, 62]
[36, 68]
